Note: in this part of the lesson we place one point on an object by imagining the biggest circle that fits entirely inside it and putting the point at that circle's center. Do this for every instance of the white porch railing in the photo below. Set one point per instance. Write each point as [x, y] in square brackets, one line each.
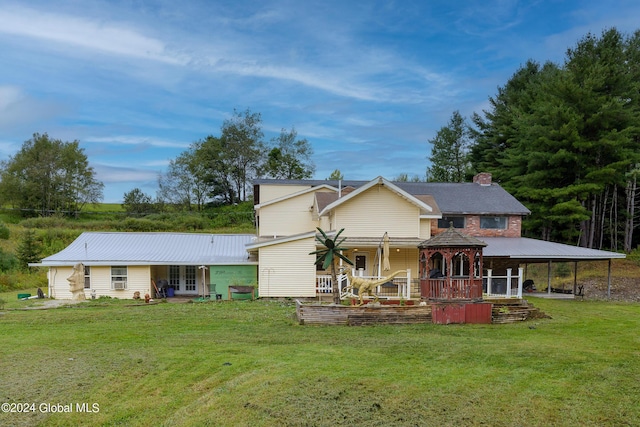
[509, 286]
[493, 286]
[400, 286]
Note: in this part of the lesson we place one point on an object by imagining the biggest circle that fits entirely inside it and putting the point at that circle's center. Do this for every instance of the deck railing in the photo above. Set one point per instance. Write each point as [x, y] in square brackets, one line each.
[461, 288]
[454, 288]
[398, 287]
[509, 286]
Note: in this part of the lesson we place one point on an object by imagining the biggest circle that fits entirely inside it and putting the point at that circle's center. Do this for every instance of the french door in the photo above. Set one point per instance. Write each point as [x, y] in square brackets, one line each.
[184, 279]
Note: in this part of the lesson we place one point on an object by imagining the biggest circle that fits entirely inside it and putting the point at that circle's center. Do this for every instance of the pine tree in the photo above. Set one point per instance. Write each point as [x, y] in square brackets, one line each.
[450, 150]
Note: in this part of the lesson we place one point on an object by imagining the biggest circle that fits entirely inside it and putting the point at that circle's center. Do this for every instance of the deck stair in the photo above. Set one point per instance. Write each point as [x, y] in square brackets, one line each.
[513, 310]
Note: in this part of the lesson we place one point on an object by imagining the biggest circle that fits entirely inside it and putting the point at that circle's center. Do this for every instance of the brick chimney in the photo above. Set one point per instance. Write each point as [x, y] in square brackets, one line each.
[483, 178]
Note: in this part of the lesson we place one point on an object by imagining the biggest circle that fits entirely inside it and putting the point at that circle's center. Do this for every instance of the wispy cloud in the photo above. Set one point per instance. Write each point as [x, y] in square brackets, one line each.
[85, 33]
[135, 140]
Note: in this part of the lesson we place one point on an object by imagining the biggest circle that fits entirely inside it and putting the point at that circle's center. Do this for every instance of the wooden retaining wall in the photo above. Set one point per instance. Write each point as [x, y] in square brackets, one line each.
[503, 311]
[329, 314]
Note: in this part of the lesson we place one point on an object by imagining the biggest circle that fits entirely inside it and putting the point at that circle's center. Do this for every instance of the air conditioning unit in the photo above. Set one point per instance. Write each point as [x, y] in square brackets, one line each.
[119, 285]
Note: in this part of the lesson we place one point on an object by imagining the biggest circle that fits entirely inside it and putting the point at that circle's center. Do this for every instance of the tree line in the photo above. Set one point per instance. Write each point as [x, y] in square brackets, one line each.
[220, 169]
[48, 176]
[564, 139]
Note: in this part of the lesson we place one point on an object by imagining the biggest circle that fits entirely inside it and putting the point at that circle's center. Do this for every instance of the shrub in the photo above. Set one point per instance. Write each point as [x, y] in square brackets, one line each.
[141, 224]
[8, 261]
[5, 233]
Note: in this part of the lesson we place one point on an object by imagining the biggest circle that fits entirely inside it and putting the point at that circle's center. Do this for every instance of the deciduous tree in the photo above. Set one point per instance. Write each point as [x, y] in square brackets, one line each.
[49, 176]
[290, 158]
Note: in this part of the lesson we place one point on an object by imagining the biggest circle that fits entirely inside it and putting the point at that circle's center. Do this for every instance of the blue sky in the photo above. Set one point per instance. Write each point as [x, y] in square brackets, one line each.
[367, 83]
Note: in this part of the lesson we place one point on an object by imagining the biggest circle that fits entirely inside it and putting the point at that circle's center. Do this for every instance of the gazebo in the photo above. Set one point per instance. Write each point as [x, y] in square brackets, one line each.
[451, 278]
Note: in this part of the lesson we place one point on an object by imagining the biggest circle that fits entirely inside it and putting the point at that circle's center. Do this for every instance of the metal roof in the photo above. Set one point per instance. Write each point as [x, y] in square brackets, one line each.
[112, 248]
[451, 197]
[533, 250]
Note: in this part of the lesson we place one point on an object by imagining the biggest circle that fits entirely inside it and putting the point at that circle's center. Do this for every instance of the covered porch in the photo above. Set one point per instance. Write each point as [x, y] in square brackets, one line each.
[376, 258]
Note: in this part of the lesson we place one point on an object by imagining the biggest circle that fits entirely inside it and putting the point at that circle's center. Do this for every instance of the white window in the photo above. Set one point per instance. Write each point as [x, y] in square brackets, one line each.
[190, 278]
[119, 277]
[87, 277]
[493, 222]
[174, 277]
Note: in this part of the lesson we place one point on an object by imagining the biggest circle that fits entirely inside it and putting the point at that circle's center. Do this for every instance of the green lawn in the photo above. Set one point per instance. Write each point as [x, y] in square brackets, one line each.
[249, 363]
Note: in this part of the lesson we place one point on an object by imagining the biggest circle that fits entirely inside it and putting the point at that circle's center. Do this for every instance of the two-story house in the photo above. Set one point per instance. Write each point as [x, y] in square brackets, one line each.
[407, 213]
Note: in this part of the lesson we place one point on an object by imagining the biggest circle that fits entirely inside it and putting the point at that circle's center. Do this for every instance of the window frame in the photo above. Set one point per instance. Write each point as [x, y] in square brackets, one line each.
[117, 276]
[87, 277]
[500, 222]
[445, 221]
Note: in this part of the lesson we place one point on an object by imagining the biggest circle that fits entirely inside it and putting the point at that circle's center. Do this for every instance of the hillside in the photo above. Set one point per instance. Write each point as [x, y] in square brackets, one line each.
[625, 278]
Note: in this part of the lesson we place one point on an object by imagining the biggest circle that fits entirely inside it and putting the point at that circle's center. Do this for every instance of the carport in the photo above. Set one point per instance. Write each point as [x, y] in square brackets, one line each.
[531, 251]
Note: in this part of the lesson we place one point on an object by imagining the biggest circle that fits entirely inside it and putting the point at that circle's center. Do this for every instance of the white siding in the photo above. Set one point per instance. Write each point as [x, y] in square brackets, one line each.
[138, 279]
[376, 211]
[288, 217]
[287, 269]
[271, 192]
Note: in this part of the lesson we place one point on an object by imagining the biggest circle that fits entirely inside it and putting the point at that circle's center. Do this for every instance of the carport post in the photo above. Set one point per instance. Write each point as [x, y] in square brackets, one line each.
[549, 278]
[609, 281]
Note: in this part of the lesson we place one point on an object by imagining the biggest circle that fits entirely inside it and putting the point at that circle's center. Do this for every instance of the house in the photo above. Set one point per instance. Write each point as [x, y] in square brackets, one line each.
[119, 264]
[405, 214]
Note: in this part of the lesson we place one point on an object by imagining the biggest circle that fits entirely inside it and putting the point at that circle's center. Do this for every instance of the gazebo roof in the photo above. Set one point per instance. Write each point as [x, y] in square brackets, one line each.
[452, 238]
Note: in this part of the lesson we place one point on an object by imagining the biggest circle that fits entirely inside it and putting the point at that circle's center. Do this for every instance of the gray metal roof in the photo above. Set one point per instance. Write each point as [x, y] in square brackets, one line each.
[533, 250]
[451, 198]
[109, 248]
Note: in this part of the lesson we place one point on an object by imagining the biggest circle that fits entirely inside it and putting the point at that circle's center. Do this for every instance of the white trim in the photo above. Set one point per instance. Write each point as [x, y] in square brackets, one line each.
[377, 181]
[296, 194]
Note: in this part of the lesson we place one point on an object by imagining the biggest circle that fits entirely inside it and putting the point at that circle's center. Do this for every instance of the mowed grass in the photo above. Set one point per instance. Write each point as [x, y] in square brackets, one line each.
[250, 364]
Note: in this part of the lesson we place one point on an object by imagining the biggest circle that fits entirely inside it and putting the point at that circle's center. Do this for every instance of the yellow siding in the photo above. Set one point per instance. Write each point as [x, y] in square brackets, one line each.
[399, 260]
[138, 279]
[288, 217]
[425, 229]
[287, 270]
[271, 192]
[376, 211]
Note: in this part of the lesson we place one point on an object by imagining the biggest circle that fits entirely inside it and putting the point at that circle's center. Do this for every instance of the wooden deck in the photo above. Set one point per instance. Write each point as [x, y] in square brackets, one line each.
[331, 314]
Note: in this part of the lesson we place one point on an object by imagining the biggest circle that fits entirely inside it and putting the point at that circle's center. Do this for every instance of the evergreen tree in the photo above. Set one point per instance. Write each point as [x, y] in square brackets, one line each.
[28, 250]
[565, 140]
[450, 150]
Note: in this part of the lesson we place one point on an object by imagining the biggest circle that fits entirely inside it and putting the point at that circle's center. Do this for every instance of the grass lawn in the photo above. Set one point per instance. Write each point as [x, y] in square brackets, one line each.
[248, 363]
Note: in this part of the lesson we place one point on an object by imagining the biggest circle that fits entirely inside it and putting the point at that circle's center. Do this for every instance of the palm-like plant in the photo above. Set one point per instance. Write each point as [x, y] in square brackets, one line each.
[326, 257]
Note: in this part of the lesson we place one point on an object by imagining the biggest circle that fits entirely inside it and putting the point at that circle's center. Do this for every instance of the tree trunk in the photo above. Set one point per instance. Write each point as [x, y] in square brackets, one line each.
[629, 223]
[336, 285]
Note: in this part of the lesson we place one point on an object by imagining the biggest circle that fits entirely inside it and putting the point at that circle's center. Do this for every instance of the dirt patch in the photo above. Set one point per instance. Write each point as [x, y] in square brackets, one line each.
[622, 289]
[51, 303]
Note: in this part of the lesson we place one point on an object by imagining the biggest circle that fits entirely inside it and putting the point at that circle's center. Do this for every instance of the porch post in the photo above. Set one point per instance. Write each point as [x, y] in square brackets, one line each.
[489, 281]
[609, 280]
[520, 277]
[549, 277]
[408, 290]
[508, 283]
